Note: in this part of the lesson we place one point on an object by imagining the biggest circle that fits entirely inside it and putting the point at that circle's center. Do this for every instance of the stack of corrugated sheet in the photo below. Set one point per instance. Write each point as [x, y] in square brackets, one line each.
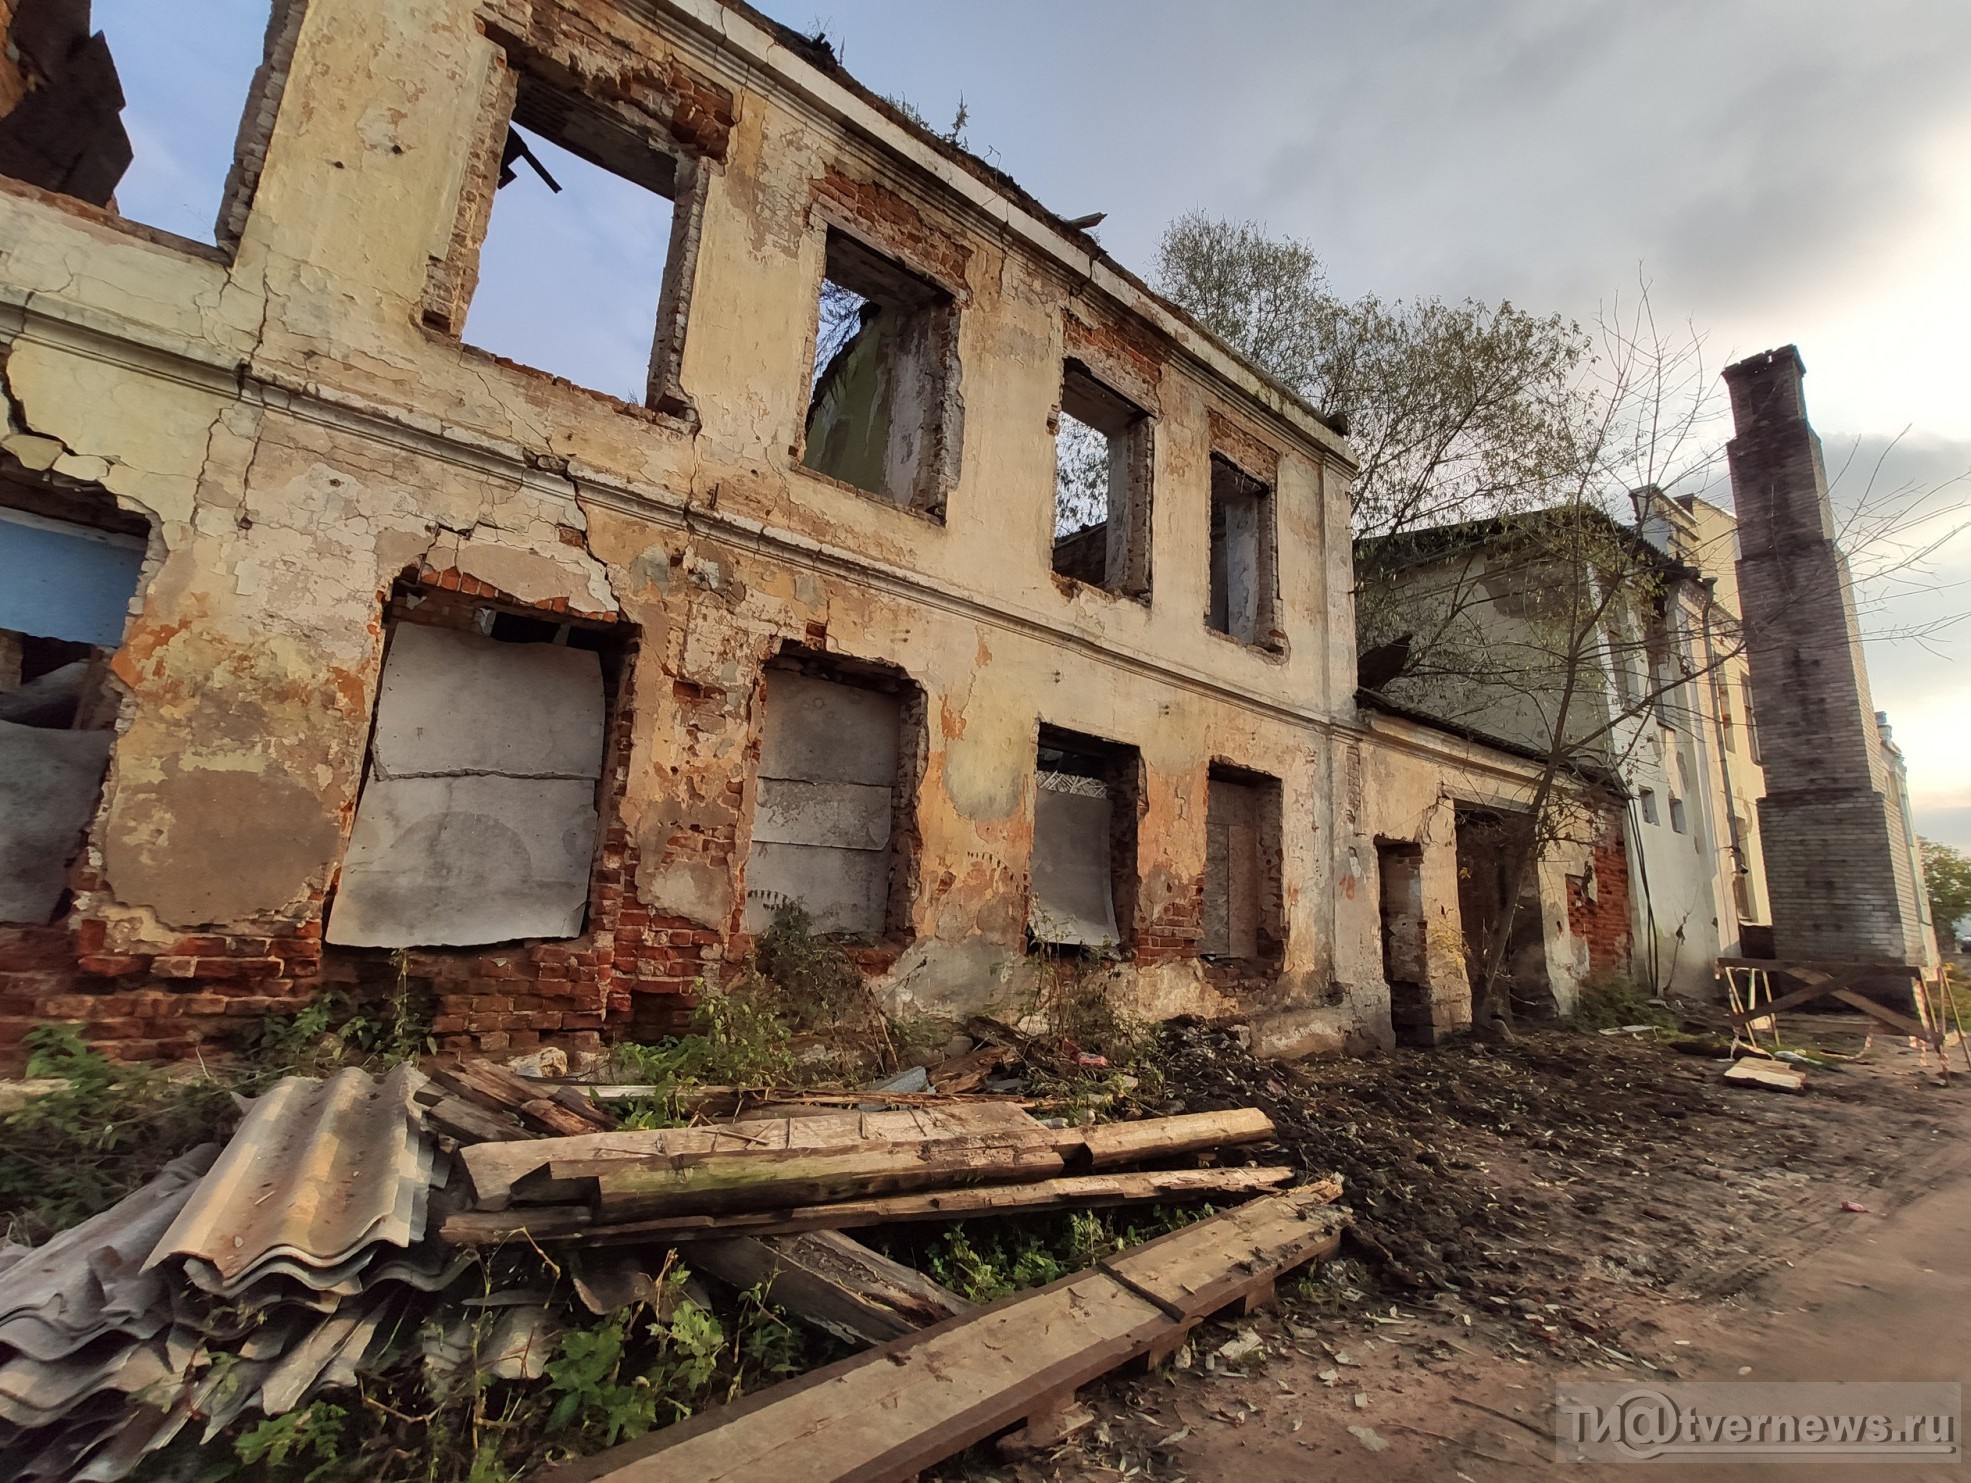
[289, 1255]
[84, 1326]
[321, 1177]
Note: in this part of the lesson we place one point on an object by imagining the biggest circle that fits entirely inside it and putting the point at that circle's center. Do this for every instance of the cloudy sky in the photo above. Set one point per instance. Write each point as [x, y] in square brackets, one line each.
[1777, 170]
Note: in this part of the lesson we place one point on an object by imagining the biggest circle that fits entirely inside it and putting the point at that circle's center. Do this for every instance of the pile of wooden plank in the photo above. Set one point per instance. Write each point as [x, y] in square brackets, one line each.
[906, 1405]
[768, 1200]
[838, 1171]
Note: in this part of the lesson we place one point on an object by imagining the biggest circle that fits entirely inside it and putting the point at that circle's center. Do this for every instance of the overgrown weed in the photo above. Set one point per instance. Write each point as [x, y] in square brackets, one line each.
[608, 1381]
[795, 985]
[1613, 1001]
[76, 1150]
[985, 1260]
[73, 1152]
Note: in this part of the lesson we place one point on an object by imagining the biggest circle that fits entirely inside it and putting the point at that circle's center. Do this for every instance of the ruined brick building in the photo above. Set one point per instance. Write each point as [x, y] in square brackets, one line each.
[340, 649]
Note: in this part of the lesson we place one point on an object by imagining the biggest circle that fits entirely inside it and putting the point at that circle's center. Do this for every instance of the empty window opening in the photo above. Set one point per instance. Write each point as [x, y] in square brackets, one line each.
[477, 820]
[1727, 726]
[573, 268]
[1101, 487]
[1677, 823]
[1646, 801]
[1242, 555]
[65, 590]
[831, 816]
[1489, 842]
[1242, 903]
[1086, 803]
[132, 109]
[1399, 867]
[885, 348]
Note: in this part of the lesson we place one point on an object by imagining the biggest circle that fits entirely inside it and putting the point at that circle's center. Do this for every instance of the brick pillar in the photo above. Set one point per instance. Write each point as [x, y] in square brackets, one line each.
[1839, 891]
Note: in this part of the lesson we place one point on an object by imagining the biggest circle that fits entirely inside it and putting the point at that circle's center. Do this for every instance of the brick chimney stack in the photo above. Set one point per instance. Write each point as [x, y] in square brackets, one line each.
[1837, 844]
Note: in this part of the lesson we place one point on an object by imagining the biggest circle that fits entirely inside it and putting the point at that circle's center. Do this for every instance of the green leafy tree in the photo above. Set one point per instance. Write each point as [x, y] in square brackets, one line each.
[1454, 409]
[1947, 879]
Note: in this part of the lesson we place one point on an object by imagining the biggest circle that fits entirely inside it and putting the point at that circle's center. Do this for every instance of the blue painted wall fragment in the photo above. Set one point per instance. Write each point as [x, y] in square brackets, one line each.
[63, 581]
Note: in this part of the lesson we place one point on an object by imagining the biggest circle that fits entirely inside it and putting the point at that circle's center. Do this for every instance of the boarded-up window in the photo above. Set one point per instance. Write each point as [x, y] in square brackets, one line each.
[478, 817]
[1084, 842]
[824, 823]
[1242, 916]
[65, 592]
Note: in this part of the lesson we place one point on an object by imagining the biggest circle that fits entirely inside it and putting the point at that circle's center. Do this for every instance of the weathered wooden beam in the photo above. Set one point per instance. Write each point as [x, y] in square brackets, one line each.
[909, 1404]
[718, 1183]
[1187, 1274]
[1108, 1145]
[832, 1282]
[471, 1123]
[547, 1106]
[495, 1168]
[1074, 1192]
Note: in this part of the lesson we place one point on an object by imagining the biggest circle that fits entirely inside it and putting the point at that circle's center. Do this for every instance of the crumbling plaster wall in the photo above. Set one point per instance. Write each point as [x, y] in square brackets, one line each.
[1414, 780]
[300, 440]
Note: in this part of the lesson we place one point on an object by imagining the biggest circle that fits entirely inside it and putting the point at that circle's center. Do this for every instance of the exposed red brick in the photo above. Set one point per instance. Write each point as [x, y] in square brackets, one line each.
[111, 965]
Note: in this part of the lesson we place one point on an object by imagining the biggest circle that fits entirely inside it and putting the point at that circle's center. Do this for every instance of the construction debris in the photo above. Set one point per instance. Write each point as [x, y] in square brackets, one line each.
[1765, 1074]
[322, 1244]
[831, 1281]
[249, 1278]
[917, 1400]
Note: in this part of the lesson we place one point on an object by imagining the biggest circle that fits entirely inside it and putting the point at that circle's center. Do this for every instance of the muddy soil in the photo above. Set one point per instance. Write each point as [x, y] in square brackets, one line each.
[1571, 1203]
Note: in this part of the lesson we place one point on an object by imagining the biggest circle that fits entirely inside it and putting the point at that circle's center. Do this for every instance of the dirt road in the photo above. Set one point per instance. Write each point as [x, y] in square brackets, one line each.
[1706, 1245]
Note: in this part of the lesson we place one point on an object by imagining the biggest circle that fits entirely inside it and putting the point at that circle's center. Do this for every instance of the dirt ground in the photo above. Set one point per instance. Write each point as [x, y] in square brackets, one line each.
[1574, 1205]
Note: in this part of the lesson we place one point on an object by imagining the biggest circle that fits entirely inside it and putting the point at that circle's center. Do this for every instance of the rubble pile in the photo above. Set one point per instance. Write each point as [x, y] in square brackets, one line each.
[330, 1240]
[1416, 1142]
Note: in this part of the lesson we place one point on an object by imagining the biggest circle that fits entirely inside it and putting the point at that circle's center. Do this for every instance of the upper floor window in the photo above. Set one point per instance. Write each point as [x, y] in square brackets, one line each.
[881, 414]
[575, 239]
[1101, 487]
[1243, 556]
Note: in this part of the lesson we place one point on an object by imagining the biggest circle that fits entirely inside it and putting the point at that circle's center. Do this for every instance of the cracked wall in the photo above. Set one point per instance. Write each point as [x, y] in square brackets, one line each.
[317, 453]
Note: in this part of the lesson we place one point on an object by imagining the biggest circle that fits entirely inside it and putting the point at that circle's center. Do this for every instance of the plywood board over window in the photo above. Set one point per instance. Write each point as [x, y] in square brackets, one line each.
[1083, 889]
[826, 810]
[478, 817]
[1242, 916]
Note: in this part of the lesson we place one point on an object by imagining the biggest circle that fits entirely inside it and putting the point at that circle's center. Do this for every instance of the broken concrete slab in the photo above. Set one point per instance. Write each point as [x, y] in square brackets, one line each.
[49, 782]
[458, 861]
[454, 703]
